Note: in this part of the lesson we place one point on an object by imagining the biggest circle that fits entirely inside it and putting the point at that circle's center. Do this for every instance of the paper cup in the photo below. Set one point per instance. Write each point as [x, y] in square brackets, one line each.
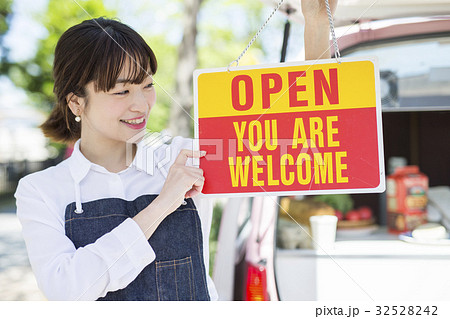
[323, 229]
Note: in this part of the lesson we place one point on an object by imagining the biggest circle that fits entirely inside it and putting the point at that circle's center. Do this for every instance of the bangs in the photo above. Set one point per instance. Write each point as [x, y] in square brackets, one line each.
[117, 52]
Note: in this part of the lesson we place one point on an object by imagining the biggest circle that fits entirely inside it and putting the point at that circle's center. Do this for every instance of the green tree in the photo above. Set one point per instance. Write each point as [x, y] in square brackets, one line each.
[5, 16]
[207, 43]
[217, 42]
[180, 119]
[34, 75]
[221, 42]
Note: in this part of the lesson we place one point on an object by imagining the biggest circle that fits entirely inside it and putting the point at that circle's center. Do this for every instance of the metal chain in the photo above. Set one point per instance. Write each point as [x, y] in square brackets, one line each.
[337, 54]
[256, 35]
[330, 19]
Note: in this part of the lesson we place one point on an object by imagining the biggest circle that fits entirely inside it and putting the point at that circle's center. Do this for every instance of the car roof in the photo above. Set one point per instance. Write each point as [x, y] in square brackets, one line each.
[349, 11]
[371, 31]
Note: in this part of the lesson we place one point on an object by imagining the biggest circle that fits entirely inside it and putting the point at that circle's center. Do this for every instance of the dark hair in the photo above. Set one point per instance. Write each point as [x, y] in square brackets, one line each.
[94, 50]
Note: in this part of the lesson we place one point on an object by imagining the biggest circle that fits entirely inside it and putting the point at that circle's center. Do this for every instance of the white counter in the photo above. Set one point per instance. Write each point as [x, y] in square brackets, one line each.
[374, 267]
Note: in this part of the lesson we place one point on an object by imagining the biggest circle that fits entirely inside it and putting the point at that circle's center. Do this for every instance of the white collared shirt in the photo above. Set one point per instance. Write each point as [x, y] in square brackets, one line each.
[115, 259]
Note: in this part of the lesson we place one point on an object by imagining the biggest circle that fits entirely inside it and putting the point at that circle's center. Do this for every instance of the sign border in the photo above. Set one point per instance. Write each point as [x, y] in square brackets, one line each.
[378, 189]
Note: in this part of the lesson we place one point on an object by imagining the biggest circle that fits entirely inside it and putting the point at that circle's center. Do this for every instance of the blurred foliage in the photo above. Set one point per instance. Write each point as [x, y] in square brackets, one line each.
[35, 75]
[218, 42]
[214, 234]
[217, 216]
[166, 54]
[5, 16]
[5, 11]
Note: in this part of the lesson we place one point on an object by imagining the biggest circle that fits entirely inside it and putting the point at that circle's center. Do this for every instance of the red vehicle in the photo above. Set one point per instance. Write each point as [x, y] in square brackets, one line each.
[253, 262]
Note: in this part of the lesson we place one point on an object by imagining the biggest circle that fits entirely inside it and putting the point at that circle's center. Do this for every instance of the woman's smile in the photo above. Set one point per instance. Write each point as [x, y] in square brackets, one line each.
[136, 123]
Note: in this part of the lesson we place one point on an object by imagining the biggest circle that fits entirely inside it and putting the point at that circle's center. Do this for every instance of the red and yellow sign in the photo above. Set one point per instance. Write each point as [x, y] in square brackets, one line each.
[298, 128]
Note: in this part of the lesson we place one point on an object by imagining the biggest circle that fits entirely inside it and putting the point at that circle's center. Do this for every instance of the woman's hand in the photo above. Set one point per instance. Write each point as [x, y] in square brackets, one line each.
[316, 9]
[317, 29]
[182, 181]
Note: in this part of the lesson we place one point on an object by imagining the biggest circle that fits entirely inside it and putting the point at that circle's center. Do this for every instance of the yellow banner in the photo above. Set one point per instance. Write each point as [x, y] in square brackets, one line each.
[300, 88]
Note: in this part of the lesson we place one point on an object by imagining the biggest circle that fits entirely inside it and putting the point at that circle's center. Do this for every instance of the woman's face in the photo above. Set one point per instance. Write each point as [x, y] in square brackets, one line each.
[119, 114]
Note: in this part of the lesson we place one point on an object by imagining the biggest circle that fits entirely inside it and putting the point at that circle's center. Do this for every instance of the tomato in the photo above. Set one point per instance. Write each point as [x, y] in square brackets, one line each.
[339, 214]
[352, 215]
[365, 212]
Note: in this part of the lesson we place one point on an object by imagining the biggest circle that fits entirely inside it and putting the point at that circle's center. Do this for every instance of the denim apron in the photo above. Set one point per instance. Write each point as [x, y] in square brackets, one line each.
[177, 273]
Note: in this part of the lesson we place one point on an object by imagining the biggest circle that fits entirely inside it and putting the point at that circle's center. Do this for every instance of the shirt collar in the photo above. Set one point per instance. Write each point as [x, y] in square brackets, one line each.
[80, 164]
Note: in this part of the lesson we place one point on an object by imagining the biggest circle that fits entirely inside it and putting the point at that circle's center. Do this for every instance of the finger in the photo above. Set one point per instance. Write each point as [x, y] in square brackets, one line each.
[194, 191]
[188, 179]
[185, 154]
[194, 170]
[199, 181]
[197, 186]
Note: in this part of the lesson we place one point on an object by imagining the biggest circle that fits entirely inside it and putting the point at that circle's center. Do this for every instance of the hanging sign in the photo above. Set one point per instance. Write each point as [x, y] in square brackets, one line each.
[293, 128]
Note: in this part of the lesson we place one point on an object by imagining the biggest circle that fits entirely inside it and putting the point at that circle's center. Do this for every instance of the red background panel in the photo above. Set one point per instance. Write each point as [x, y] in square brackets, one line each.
[357, 135]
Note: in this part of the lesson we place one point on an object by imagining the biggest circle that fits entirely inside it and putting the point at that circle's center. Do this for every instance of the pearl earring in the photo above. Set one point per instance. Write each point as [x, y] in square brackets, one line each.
[77, 118]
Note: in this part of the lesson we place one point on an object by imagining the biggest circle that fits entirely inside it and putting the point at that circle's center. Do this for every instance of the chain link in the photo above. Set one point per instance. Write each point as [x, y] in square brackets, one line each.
[337, 54]
[330, 19]
[256, 35]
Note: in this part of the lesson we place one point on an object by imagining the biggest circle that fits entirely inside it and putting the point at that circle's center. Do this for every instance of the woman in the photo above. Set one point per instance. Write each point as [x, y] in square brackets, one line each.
[86, 221]
[117, 219]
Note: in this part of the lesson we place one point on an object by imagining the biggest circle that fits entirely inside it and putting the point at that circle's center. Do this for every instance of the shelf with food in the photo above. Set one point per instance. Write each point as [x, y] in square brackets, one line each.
[293, 227]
